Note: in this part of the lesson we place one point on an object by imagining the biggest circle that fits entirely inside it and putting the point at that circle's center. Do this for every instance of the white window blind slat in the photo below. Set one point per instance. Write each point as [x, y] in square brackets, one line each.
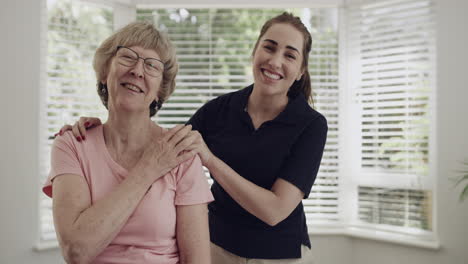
[406, 88]
[396, 4]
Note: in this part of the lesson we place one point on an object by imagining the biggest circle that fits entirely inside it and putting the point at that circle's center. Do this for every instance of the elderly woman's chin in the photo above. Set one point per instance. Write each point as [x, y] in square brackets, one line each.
[131, 105]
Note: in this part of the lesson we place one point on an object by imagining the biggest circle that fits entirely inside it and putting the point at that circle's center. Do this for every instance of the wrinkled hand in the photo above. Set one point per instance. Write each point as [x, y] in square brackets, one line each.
[166, 152]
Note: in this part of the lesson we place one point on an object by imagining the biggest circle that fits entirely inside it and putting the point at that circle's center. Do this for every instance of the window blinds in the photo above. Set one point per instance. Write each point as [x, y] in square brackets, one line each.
[394, 41]
[75, 29]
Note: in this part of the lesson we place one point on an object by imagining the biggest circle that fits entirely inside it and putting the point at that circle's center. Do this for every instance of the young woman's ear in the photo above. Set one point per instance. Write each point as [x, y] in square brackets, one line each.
[299, 76]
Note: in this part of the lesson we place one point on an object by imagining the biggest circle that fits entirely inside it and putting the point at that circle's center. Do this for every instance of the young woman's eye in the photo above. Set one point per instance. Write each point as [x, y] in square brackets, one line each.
[290, 56]
[269, 48]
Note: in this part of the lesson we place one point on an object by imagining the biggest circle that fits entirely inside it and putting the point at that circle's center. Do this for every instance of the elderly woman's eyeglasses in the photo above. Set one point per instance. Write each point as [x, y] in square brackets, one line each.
[128, 57]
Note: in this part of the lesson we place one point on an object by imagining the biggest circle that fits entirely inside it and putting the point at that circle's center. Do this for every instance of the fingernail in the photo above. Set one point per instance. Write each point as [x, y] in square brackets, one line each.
[86, 124]
[78, 138]
[83, 137]
[55, 135]
[60, 132]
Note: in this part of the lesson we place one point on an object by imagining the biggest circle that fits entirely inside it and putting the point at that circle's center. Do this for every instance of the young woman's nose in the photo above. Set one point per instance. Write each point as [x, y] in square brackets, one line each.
[275, 60]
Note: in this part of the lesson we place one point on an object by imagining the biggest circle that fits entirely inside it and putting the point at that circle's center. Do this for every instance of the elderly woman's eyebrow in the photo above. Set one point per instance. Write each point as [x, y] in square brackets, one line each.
[276, 43]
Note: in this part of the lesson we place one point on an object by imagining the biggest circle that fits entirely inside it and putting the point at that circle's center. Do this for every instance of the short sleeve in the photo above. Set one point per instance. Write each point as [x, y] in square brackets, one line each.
[197, 120]
[302, 165]
[63, 160]
[192, 185]
[205, 115]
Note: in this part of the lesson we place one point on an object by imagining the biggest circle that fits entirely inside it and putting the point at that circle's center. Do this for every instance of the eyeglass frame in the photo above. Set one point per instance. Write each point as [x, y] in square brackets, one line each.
[144, 60]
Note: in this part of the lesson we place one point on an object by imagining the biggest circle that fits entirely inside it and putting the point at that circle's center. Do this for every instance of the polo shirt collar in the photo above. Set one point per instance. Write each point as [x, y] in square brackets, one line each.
[295, 111]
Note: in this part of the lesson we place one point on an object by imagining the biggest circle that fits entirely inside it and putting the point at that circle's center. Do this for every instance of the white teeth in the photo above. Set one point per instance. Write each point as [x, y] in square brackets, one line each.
[133, 88]
[271, 75]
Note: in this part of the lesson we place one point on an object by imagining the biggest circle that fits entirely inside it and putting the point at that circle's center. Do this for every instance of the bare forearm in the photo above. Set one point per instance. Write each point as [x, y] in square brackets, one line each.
[261, 202]
[96, 226]
[200, 252]
[193, 236]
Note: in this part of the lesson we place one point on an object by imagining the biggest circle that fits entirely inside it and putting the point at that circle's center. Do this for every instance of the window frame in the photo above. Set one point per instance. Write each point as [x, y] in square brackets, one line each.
[356, 176]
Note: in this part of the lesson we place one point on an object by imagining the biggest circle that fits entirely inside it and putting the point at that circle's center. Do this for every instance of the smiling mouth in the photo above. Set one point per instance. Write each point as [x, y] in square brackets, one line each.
[132, 87]
[271, 75]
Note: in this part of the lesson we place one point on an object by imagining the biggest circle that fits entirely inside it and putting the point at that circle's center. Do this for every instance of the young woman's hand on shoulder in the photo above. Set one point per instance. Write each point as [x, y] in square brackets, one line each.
[80, 127]
[199, 147]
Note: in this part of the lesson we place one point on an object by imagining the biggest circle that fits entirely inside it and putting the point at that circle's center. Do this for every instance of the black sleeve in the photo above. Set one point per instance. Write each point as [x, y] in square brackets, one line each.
[198, 119]
[302, 165]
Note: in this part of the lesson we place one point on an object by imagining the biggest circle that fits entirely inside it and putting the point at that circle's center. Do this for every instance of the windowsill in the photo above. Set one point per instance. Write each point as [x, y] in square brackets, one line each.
[427, 240]
[46, 245]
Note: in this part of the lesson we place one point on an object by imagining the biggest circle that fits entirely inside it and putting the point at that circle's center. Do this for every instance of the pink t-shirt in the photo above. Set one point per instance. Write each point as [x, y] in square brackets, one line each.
[149, 236]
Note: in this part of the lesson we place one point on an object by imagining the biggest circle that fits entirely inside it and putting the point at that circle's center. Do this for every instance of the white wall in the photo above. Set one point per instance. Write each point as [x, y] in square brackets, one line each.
[19, 71]
[452, 141]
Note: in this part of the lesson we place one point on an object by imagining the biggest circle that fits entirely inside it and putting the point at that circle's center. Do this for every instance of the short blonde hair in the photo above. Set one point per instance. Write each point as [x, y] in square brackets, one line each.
[147, 36]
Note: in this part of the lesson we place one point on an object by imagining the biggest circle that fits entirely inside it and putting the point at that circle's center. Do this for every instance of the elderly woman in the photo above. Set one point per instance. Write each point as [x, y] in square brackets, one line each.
[129, 193]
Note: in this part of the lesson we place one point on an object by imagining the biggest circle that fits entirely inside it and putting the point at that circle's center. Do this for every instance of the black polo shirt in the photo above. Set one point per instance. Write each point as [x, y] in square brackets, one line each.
[288, 147]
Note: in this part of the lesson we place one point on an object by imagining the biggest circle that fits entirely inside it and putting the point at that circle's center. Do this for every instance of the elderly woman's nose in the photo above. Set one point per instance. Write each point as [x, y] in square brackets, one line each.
[138, 69]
